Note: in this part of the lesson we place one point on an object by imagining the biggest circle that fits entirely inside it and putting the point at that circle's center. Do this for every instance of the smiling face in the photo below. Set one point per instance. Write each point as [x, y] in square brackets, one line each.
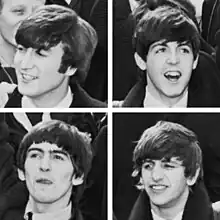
[38, 72]
[49, 174]
[11, 15]
[165, 182]
[169, 67]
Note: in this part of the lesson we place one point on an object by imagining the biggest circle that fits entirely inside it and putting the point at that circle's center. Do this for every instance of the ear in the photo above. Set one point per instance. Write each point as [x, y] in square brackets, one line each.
[70, 71]
[195, 62]
[192, 180]
[21, 175]
[139, 61]
[77, 180]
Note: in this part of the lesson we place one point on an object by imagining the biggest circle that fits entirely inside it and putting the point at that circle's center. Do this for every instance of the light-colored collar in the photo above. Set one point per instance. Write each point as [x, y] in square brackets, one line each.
[62, 214]
[151, 102]
[26, 102]
[68, 1]
[133, 4]
[156, 217]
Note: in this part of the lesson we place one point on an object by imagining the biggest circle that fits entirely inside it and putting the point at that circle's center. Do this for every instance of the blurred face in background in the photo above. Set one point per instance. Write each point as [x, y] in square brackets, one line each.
[12, 13]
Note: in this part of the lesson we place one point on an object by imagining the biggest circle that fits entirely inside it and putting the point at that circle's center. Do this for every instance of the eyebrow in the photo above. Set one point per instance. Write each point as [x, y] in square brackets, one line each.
[50, 151]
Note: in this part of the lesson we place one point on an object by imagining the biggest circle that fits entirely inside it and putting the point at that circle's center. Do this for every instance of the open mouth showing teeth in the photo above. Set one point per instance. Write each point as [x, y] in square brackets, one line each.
[28, 77]
[158, 188]
[172, 76]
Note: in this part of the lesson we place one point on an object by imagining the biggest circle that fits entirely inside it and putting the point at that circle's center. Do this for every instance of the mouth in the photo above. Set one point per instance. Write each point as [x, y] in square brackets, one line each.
[44, 181]
[172, 75]
[27, 77]
[158, 188]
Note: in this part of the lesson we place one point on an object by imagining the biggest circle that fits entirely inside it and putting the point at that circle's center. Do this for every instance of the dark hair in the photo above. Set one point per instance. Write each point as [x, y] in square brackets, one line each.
[185, 5]
[69, 138]
[165, 23]
[166, 140]
[50, 25]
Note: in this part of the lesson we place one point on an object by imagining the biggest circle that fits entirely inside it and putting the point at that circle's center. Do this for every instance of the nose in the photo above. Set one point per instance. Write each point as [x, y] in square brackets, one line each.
[26, 61]
[157, 174]
[173, 57]
[45, 164]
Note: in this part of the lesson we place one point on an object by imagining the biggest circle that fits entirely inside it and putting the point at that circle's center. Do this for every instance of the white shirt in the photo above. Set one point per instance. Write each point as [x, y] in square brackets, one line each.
[133, 5]
[26, 102]
[156, 217]
[62, 214]
[151, 102]
[68, 1]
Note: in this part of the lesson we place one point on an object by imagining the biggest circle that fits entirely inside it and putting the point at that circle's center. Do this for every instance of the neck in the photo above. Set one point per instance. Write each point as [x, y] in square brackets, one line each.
[171, 210]
[53, 98]
[7, 51]
[168, 101]
[50, 206]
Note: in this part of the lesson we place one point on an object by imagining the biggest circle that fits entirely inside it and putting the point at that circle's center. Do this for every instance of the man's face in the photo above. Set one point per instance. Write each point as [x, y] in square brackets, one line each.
[11, 15]
[37, 71]
[164, 182]
[169, 67]
[48, 173]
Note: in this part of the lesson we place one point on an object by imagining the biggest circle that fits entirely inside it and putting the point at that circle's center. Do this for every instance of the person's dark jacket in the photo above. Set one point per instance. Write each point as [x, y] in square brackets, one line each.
[18, 214]
[210, 20]
[81, 99]
[203, 90]
[198, 206]
[125, 70]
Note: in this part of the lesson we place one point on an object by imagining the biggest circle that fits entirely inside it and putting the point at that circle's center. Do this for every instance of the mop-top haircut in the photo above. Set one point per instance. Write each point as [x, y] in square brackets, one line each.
[53, 24]
[167, 140]
[168, 24]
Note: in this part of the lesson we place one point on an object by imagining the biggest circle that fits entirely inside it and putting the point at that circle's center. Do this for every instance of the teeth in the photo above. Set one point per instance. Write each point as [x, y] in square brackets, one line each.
[159, 187]
[28, 77]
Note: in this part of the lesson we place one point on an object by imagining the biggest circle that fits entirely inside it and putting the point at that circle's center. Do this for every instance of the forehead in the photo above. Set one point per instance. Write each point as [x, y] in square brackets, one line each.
[172, 160]
[23, 3]
[46, 147]
[169, 43]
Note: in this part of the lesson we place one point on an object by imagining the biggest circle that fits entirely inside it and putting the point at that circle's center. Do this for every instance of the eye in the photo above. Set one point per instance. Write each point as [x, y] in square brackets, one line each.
[34, 155]
[20, 48]
[185, 49]
[169, 166]
[19, 12]
[42, 53]
[147, 166]
[58, 157]
[160, 50]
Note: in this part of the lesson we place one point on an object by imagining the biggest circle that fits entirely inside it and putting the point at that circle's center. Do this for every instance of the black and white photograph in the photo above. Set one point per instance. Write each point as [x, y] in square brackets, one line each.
[53, 166]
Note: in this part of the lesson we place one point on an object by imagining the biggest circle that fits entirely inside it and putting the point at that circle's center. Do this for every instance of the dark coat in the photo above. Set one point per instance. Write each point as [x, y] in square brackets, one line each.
[197, 206]
[204, 86]
[81, 99]
[18, 214]
[125, 70]
[210, 20]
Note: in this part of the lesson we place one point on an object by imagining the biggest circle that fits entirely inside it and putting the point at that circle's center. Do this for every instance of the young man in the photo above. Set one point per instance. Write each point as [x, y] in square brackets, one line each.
[54, 159]
[55, 47]
[167, 44]
[168, 168]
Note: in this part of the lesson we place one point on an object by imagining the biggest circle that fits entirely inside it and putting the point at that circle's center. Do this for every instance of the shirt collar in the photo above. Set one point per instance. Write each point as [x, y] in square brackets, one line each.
[62, 214]
[133, 4]
[26, 102]
[151, 102]
[156, 217]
